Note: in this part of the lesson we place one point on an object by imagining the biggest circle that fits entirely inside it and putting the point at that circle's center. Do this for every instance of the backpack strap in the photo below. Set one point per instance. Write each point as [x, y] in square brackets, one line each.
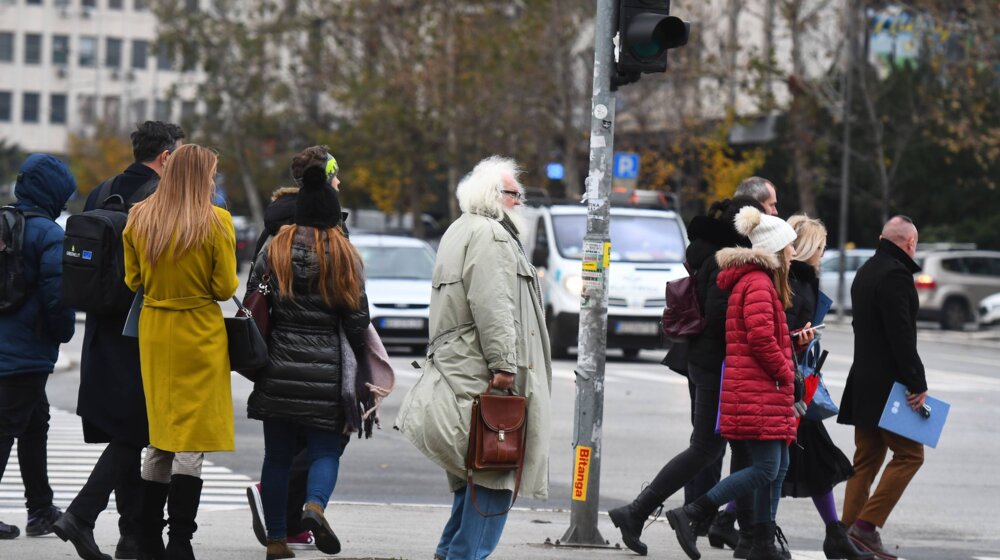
[143, 192]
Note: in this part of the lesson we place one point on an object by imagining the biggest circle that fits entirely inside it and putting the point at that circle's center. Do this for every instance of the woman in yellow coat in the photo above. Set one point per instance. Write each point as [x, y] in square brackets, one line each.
[181, 250]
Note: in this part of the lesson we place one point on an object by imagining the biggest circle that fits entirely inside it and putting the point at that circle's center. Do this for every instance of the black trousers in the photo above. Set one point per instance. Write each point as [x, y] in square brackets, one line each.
[709, 476]
[298, 476]
[706, 447]
[24, 415]
[118, 470]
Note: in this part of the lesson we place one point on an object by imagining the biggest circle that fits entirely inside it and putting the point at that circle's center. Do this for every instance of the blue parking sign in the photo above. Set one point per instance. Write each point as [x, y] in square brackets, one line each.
[626, 165]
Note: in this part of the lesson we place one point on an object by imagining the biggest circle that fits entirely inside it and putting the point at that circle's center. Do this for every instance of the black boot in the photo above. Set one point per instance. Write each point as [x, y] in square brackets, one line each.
[763, 543]
[182, 509]
[682, 521]
[631, 518]
[723, 533]
[70, 528]
[149, 526]
[744, 518]
[836, 545]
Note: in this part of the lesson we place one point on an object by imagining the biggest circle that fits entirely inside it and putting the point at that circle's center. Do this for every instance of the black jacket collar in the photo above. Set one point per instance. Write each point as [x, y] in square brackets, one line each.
[891, 249]
[802, 271]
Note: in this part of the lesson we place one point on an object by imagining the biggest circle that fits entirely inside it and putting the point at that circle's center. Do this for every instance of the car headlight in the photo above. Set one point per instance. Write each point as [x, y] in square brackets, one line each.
[573, 283]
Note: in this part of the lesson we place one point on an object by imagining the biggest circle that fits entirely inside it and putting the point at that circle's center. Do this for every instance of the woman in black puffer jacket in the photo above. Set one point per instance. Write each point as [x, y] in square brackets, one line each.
[319, 291]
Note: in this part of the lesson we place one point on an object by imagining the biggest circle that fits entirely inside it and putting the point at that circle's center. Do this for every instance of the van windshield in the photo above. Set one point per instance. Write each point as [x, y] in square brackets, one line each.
[633, 238]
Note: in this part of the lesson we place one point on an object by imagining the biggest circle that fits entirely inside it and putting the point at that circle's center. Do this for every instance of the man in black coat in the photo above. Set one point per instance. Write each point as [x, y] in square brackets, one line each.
[885, 352]
[111, 400]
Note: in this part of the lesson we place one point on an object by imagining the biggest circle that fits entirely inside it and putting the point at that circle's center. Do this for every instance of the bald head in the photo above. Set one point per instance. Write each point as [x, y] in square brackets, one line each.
[901, 231]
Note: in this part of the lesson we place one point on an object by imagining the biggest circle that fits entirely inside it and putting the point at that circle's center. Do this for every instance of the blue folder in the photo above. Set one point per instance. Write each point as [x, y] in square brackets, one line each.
[823, 305]
[900, 419]
[131, 327]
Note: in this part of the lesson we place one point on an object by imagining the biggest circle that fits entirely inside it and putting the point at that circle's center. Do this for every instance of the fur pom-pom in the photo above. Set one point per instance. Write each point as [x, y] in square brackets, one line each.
[746, 220]
[313, 177]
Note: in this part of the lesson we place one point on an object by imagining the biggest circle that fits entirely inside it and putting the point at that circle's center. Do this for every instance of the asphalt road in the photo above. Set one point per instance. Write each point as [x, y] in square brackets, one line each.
[949, 511]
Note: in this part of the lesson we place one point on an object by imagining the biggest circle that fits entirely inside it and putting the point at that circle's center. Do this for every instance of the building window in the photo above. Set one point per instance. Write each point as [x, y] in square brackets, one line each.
[6, 47]
[139, 108]
[140, 54]
[5, 106]
[34, 2]
[60, 49]
[85, 107]
[113, 52]
[113, 110]
[57, 108]
[191, 5]
[116, 4]
[140, 5]
[88, 52]
[187, 111]
[29, 111]
[163, 57]
[32, 48]
[162, 110]
[88, 3]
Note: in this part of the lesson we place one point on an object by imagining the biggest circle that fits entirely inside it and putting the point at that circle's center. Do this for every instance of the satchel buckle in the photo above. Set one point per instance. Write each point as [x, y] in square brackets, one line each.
[501, 435]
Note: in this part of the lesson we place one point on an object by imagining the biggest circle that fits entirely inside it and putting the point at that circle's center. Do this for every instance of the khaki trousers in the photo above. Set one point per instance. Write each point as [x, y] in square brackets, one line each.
[871, 445]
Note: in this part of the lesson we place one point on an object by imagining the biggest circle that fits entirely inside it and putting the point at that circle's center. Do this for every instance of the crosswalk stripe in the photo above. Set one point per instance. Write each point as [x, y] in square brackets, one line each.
[70, 462]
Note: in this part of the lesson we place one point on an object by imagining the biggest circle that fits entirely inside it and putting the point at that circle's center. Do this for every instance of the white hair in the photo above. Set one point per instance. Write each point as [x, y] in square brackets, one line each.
[481, 191]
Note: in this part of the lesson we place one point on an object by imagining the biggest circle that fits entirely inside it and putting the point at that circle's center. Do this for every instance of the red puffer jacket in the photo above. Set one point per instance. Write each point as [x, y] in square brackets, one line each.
[758, 387]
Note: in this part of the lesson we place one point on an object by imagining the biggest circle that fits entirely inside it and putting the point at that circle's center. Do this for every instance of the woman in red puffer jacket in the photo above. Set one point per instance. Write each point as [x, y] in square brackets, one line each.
[756, 403]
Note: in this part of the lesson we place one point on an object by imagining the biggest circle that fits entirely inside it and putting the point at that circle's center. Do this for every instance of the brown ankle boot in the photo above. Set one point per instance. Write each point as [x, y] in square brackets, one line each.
[313, 519]
[278, 549]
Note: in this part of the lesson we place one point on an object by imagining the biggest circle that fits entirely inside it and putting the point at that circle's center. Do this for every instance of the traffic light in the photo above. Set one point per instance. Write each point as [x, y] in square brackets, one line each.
[646, 30]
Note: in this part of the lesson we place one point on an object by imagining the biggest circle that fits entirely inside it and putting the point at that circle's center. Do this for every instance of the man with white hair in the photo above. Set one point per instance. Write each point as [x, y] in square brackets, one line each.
[761, 190]
[885, 352]
[486, 324]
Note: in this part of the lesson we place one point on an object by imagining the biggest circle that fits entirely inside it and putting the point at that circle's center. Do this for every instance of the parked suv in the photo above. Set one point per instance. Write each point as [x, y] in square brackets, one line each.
[951, 284]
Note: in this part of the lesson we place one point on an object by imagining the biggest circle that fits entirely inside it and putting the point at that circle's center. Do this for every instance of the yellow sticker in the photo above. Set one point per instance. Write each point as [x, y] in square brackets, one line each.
[581, 473]
[590, 266]
[607, 254]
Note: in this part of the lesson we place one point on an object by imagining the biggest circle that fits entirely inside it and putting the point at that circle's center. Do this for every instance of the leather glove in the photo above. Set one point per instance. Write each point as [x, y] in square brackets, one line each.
[800, 409]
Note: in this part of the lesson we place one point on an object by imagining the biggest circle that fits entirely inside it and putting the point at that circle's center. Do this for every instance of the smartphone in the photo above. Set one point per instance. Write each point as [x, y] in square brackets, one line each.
[816, 328]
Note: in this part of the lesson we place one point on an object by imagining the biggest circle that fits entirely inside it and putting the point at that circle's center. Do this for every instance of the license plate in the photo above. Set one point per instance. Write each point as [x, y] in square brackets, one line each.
[645, 328]
[403, 324]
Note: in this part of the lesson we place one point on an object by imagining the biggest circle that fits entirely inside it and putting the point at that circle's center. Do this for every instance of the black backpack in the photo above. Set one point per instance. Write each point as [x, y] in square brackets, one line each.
[13, 288]
[94, 253]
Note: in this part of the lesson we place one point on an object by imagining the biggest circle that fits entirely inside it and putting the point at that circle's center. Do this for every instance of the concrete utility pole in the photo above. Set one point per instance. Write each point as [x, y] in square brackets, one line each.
[593, 334]
[845, 164]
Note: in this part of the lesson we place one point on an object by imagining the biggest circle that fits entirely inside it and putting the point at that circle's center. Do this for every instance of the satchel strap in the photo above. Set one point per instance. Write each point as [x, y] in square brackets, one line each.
[517, 486]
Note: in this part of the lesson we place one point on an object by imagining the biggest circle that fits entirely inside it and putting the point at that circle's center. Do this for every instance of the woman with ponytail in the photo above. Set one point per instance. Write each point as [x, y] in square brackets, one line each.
[181, 250]
[317, 293]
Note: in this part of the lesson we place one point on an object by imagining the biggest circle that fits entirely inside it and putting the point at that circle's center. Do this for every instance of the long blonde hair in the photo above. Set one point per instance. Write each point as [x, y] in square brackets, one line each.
[810, 236]
[780, 278]
[179, 216]
[339, 285]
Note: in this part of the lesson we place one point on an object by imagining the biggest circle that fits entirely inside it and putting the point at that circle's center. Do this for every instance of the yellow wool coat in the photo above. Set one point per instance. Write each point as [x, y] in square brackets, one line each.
[183, 349]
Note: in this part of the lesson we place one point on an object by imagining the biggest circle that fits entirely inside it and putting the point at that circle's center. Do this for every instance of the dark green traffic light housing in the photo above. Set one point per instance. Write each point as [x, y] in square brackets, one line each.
[646, 31]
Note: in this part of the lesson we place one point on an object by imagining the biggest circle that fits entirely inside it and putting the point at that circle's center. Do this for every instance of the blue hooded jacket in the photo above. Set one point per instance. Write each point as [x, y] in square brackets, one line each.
[30, 336]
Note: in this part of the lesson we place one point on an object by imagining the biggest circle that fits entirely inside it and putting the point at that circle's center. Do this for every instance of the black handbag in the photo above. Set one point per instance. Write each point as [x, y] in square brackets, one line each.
[247, 347]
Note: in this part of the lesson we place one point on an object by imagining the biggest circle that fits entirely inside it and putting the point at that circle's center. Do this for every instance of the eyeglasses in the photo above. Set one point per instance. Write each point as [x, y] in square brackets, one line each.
[516, 195]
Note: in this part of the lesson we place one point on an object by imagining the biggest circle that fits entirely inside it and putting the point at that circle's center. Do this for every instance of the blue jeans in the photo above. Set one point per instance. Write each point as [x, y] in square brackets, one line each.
[324, 449]
[763, 477]
[468, 535]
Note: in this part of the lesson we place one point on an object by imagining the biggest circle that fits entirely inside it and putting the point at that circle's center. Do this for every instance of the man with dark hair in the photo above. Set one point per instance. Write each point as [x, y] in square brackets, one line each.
[885, 352]
[111, 402]
[313, 155]
[761, 190]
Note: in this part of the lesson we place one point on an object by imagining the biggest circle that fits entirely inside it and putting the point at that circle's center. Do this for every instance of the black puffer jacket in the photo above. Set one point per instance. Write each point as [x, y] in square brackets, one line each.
[708, 235]
[804, 283]
[302, 382]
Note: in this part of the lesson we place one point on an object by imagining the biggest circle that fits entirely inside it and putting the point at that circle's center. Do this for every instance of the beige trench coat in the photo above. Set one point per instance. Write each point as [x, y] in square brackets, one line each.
[485, 315]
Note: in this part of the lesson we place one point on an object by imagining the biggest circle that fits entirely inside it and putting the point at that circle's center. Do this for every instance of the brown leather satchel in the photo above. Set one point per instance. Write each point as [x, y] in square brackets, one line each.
[496, 439]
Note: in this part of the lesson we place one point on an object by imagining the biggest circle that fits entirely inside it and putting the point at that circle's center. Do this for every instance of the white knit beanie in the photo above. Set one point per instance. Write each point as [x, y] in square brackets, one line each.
[766, 233]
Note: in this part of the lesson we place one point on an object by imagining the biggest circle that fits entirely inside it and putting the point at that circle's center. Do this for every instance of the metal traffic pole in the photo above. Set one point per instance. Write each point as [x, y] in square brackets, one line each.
[593, 334]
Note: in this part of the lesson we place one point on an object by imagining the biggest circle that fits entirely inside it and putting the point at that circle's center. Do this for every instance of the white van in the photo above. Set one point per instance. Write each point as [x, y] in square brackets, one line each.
[647, 251]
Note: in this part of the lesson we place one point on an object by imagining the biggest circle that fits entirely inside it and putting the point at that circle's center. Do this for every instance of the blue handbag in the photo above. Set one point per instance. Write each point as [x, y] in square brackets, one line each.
[822, 406]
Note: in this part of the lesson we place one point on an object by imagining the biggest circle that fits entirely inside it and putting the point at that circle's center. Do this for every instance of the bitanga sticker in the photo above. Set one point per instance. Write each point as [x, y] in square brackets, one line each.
[581, 473]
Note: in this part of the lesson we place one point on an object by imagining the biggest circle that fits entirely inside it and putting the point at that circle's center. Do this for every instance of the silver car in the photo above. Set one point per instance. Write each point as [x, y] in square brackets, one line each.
[951, 284]
[829, 273]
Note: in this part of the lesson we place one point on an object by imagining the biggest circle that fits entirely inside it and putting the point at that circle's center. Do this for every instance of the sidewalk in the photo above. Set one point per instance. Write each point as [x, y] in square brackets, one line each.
[375, 532]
